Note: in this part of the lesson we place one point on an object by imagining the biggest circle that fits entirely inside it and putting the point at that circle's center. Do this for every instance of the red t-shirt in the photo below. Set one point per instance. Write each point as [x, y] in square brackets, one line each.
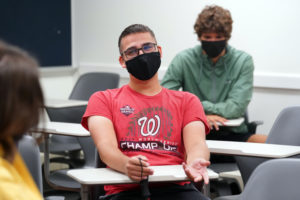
[147, 125]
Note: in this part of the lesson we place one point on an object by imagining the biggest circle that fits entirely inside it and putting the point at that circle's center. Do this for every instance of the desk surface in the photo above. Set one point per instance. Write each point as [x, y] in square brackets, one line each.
[64, 103]
[252, 149]
[104, 176]
[62, 128]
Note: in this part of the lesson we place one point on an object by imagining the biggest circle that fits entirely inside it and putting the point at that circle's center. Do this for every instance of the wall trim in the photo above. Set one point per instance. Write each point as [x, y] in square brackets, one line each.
[277, 80]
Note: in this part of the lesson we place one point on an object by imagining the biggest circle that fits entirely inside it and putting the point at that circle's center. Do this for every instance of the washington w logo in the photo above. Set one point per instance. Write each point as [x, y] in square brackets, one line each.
[151, 122]
[153, 125]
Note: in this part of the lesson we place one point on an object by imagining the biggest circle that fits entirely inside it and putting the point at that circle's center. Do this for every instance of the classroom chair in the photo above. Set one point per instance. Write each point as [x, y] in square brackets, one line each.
[85, 86]
[272, 180]
[228, 181]
[285, 131]
[59, 180]
[30, 153]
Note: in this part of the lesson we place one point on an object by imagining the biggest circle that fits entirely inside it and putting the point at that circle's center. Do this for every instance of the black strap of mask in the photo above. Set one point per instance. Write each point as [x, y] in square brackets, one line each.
[144, 184]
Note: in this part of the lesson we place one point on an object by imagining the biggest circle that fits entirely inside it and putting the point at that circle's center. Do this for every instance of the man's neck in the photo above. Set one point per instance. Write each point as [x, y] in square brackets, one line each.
[149, 87]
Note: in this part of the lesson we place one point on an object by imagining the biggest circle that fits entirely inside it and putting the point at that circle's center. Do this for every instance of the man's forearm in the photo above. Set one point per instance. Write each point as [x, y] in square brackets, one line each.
[198, 151]
[113, 157]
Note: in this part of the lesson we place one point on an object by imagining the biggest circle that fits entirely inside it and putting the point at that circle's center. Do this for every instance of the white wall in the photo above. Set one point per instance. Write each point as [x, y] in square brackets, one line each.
[266, 29]
[269, 30]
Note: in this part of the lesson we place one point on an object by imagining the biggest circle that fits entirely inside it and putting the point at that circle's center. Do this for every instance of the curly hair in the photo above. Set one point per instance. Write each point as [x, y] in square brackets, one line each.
[214, 19]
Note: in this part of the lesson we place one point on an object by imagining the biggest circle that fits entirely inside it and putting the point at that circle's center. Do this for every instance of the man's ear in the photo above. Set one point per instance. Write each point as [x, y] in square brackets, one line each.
[122, 62]
[160, 51]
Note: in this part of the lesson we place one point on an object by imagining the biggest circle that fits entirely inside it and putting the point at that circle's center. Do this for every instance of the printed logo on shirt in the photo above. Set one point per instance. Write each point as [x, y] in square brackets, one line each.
[150, 130]
[127, 110]
[149, 125]
[153, 121]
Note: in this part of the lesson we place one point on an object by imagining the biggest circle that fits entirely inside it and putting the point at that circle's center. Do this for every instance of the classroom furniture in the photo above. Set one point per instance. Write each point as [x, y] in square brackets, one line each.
[285, 131]
[252, 125]
[251, 154]
[104, 176]
[272, 180]
[255, 152]
[73, 111]
[72, 129]
[61, 128]
[234, 175]
[58, 178]
[229, 181]
[252, 149]
[30, 153]
[64, 103]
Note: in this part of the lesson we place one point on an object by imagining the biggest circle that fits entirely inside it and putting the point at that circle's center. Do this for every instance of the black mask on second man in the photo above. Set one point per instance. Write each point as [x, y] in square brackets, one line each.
[213, 48]
[144, 66]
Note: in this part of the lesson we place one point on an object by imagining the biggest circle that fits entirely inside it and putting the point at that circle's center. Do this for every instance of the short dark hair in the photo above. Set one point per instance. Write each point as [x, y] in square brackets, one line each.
[22, 100]
[214, 19]
[134, 28]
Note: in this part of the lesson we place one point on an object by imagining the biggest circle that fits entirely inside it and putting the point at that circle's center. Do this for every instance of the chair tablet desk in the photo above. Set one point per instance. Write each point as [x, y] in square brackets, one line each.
[104, 176]
[252, 149]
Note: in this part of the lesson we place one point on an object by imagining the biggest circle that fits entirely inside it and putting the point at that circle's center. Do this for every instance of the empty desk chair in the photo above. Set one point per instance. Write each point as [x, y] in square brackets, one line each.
[59, 179]
[285, 130]
[85, 86]
[276, 179]
[30, 153]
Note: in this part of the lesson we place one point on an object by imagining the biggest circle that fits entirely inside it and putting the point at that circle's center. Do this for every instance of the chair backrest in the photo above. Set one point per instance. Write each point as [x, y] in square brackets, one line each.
[30, 153]
[285, 130]
[274, 180]
[89, 83]
[85, 86]
[69, 114]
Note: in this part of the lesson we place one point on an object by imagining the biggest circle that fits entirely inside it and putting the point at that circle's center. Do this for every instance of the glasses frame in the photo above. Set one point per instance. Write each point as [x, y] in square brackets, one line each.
[138, 50]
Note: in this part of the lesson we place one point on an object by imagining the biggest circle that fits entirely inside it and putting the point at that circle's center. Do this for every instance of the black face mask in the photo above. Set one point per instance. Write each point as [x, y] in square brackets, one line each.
[145, 66]
[213, 48]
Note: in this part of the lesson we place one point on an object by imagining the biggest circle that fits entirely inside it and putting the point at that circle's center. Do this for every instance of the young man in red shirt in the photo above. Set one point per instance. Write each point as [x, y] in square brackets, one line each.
[143, 124]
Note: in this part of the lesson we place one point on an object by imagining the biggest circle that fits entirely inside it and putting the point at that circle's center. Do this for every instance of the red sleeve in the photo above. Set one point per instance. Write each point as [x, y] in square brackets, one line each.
[193, 111]
[99, 105]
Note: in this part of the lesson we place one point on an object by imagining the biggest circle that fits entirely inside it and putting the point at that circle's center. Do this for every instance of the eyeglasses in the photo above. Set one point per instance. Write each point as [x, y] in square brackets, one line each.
[134, 52]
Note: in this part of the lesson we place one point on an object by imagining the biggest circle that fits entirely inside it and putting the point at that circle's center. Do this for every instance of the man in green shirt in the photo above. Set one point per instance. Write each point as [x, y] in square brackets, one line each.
[220, 75]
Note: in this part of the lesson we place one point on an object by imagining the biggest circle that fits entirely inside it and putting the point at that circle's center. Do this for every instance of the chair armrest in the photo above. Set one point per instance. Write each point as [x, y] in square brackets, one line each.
[253, 125]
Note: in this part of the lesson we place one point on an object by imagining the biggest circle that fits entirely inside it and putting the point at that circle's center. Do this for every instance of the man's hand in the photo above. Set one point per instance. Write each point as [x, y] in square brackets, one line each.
[135, 171]
[214, 119]
[197, 170]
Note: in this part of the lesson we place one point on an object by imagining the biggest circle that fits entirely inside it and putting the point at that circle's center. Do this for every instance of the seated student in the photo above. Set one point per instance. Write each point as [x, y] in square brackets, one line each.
[143, 124]
[20, 106]
[220, 75]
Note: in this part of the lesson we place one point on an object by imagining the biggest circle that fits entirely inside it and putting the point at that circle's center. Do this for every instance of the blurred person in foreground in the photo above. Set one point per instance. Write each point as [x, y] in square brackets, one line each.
[21, 103]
